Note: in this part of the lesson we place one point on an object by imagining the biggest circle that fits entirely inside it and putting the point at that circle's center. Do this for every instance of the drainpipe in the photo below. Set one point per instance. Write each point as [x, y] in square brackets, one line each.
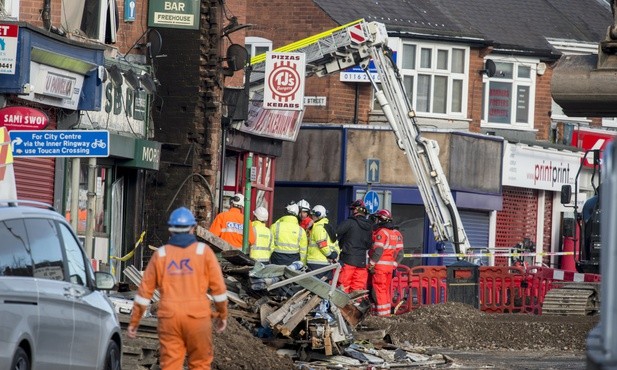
[46, 16]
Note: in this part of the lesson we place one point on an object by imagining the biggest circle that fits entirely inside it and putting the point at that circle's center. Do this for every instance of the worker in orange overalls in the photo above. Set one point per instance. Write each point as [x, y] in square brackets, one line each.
[384, 256]
[184, 271]
[229, 225]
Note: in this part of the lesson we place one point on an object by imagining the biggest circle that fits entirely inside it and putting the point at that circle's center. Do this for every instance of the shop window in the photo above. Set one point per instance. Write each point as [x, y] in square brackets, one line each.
[508, 96]
[96, 19]
[102, 188]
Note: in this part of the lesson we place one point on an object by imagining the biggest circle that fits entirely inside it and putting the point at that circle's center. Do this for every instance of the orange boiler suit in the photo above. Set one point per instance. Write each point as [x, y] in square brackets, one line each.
[229, 226]
[183, 276]
[384, 256]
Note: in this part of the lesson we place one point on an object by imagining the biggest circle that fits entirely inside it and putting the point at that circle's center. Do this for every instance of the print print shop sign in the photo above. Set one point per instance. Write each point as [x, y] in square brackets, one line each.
[552, 174]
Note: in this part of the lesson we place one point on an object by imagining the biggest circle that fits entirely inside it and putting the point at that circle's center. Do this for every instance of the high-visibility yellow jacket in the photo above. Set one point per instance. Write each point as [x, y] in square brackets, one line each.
[262, 248]
[320, 244]
[288, 237]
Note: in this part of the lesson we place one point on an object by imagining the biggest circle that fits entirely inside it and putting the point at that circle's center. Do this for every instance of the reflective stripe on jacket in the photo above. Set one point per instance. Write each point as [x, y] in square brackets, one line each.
[320, 245]
[387, 243]
[183, 277]
[288, 237]
[261, 250]
[229, 226]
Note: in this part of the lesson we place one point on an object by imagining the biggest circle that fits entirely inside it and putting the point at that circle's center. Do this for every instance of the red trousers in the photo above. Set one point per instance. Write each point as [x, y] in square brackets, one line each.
[381, 291]
[352, 278]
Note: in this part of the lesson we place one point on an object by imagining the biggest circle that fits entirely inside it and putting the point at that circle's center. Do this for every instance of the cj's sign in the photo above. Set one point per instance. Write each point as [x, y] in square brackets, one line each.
[174, 14]
[284, 86]
[23, 118]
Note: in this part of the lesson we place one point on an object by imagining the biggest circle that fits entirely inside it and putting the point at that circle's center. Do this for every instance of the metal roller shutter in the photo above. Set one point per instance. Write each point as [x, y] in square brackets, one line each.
[476, 226]
[35, 178]
[517, 219]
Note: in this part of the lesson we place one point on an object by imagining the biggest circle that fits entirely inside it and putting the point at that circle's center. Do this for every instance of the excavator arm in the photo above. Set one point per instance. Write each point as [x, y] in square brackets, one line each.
[586, 85]
[357, 45]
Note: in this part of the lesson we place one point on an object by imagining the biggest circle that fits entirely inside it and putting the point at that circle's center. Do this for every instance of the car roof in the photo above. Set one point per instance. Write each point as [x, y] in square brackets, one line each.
[14, 210]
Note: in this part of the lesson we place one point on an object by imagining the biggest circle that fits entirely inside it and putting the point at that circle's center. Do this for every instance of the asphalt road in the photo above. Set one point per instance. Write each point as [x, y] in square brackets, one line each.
[515, 360]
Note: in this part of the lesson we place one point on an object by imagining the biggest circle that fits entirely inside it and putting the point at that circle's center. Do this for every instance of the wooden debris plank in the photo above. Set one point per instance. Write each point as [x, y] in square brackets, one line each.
[237, 257]
[217, 244]
[291, 324]
[235, 298]
[278, 315]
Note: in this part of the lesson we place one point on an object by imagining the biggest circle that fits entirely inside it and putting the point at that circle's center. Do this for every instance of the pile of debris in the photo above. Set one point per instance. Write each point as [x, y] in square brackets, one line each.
[291, 311]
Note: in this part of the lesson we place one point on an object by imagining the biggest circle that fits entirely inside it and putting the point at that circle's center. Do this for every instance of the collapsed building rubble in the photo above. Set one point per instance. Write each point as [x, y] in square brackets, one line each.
[303, 317]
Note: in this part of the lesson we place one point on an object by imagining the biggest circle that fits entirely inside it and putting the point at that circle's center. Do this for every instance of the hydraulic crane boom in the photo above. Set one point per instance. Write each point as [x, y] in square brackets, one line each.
[356, 45]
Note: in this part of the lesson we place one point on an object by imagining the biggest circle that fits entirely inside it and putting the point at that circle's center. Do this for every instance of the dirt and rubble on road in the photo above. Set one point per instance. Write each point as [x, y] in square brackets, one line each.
[282, 317]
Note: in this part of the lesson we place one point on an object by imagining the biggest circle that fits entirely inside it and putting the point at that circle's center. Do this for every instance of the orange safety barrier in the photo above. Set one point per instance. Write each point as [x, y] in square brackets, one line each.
[401, 302]
[502, 289]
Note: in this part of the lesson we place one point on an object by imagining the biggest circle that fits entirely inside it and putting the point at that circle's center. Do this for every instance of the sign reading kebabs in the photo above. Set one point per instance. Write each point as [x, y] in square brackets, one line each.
[284, 81]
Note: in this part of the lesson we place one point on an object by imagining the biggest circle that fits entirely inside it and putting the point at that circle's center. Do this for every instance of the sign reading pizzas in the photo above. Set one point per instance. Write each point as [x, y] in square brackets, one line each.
[284, 81]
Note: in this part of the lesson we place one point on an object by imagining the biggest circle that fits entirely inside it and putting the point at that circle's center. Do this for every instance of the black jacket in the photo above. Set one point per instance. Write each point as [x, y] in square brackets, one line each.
[355, 237]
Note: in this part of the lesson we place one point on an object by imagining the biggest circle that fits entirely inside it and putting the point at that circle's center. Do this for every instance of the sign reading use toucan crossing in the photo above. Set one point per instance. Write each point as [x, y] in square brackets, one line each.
[72, 143]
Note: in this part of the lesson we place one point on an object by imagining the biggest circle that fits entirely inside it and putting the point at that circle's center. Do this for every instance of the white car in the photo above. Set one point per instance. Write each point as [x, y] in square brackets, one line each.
[53, 314]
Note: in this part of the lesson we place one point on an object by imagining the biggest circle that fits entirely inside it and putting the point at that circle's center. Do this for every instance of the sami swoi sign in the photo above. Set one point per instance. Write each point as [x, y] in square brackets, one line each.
[23, 118]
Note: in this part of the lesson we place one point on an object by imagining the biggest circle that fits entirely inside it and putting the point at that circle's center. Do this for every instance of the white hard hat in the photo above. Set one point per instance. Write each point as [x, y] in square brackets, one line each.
[319, 211]
[237, 200]
[293, 209]
[304, 205]
[261, 214]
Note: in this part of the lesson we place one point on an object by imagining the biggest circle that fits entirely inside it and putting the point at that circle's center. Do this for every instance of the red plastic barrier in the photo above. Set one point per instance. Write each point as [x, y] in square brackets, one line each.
[401, 290]
[502, 289]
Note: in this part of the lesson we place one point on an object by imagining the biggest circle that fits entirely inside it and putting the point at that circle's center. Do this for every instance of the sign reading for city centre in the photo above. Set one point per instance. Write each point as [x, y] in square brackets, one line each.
[174, 14]
[56, 143]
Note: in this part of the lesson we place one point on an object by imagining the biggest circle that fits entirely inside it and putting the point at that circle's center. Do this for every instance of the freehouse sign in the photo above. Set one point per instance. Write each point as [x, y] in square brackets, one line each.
[174, 14]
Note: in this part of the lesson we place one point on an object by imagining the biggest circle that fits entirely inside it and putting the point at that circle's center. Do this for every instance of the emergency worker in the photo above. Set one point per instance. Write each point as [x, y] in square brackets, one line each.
[384, 256]
[229, 225]
[289, 239]
[184, 272]
[305, 215]
[355, 239]
[323, 246]
[261, 250]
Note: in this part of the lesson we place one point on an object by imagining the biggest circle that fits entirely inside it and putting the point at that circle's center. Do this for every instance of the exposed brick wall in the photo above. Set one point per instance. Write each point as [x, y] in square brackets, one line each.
[187, 117]
[543, 106]
[474, 100]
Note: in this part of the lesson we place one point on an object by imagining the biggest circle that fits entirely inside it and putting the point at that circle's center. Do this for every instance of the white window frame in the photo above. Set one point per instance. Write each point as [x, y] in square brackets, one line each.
[72, 15]
[516, 82]
[433, 71]
[252, 43]
[10, 9]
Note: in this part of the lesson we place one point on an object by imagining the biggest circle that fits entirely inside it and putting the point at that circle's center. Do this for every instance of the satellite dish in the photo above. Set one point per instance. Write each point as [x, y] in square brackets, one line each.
[236, 57]
[115, 75]
[489, 68]
[148, 83]
[132, 79]
[155, 43]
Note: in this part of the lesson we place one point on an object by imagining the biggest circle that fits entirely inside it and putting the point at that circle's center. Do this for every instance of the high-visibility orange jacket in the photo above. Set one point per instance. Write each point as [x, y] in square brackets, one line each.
[183, 276]
[229, 226]
[383, 258]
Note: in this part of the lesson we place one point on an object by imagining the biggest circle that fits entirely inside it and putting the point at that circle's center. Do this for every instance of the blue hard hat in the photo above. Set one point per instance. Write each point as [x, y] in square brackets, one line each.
[182, 217]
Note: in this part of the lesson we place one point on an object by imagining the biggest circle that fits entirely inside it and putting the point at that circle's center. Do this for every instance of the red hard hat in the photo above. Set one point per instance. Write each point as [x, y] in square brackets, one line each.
[357, 203]
[384, 214]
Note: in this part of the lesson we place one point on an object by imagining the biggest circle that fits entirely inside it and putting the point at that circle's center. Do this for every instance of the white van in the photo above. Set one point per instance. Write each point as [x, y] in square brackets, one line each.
[53, 315]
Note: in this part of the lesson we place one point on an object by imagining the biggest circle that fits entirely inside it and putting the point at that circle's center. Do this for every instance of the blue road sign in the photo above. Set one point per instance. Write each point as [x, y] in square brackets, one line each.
[56, 143]
[371, 200]
[372, 171]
